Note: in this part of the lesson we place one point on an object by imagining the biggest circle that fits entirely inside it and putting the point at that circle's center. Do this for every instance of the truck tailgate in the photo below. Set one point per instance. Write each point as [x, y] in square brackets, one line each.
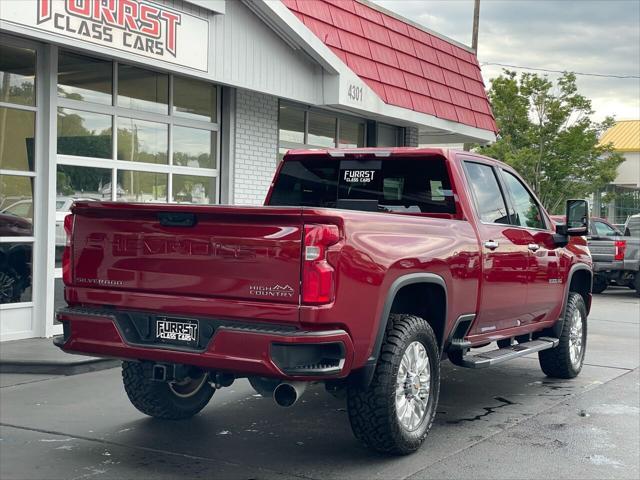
[208, 251]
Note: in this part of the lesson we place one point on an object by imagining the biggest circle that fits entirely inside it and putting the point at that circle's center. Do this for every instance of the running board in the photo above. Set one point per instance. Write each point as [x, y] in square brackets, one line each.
[487, 359]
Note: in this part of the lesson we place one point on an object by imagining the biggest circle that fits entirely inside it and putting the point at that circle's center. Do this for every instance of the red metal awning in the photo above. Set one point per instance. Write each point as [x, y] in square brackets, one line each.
[405, 66]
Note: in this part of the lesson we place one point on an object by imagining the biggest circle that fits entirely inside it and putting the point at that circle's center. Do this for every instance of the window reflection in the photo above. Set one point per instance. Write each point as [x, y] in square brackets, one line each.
[322, 130]
[193, 147]
[291, 122]
[142, 141]
[141, 186]
[84, 134]
[16, 206]
[17, 131]
[351, 134]
[15, 272]
[141, 89]
[194, 189]
[84, 78]
[17, 75]
[194, 99]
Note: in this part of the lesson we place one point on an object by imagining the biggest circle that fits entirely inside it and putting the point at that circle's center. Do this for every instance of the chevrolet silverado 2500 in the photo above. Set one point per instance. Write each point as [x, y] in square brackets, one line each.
[363, 270]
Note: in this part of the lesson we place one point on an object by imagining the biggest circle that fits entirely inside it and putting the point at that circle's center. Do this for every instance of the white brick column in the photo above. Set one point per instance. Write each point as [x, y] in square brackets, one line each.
[256, 146]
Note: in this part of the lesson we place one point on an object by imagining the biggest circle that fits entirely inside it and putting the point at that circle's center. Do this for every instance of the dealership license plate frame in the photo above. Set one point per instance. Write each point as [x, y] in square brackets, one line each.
[177, 331]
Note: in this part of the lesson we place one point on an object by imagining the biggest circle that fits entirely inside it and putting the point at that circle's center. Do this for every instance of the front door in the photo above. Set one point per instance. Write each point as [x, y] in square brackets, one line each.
[505, 255]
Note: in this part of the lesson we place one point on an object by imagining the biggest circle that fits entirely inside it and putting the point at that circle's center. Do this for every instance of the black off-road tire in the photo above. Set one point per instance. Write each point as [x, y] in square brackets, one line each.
[158, 399]
[556, 362]
[372, 410]
[600, 283]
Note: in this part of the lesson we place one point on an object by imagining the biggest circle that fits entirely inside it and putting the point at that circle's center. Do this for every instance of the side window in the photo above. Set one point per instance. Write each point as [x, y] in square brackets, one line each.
[604, 230]
[527, 211]
[489, 200]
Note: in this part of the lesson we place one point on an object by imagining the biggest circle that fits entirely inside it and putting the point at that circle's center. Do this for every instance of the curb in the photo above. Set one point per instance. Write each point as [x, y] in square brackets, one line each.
[58, 368]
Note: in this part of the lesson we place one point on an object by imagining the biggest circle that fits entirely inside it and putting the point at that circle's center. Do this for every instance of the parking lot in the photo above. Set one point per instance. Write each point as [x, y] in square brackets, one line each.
[509, 421]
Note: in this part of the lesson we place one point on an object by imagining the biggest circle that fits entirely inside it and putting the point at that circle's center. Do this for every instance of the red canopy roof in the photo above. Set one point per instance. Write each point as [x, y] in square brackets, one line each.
[404, 65]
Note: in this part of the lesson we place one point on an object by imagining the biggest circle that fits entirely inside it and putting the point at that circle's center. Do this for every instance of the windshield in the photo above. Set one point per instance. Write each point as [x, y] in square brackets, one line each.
[419, 185]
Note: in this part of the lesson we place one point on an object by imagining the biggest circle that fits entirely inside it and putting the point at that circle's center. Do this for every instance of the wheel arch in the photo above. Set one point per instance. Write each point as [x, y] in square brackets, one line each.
[403, 297]
[579, 280]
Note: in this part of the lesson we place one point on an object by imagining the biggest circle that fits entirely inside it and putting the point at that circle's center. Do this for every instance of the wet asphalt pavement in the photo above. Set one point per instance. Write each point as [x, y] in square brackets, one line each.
[508, 421]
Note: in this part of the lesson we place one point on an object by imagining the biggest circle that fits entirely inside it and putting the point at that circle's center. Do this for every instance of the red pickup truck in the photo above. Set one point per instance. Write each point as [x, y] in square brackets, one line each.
[363, 270]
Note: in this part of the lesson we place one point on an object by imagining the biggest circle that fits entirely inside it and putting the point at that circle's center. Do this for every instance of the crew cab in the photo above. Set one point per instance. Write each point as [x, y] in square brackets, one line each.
[364, 269]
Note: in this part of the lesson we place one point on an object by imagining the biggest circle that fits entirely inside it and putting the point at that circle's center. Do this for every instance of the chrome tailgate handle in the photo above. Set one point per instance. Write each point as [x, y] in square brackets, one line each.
[491, 244]
[534, 247]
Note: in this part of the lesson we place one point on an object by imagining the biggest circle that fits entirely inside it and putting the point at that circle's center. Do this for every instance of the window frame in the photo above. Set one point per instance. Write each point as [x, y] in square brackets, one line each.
[170, 119]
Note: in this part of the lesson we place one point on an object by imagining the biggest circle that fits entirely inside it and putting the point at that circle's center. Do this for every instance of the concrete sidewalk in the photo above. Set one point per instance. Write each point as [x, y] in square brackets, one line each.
[40, 356]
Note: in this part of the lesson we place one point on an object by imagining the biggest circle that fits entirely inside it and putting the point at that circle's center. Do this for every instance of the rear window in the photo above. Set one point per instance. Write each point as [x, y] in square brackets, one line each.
[396, 185]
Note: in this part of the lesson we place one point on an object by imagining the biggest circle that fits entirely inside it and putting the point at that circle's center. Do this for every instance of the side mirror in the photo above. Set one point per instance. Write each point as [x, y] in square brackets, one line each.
[577, 218]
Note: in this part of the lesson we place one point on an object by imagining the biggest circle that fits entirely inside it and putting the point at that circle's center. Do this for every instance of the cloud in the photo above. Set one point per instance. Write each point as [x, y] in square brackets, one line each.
[592, 36]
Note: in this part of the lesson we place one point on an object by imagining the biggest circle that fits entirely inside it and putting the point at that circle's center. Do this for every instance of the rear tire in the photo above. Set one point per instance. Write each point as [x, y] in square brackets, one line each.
[395, 412]
[636, 284]
[600, 283]
[566, 360]
[174, 401]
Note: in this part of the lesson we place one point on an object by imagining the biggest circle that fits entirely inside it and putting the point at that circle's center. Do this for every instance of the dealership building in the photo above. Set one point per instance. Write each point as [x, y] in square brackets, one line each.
[197, 101]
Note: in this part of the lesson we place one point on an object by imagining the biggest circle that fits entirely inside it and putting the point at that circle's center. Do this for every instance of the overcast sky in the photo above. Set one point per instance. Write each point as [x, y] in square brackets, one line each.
[592, 36]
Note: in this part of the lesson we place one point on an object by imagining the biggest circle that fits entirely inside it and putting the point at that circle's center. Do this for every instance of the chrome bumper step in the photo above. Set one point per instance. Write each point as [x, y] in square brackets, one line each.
[494, 357]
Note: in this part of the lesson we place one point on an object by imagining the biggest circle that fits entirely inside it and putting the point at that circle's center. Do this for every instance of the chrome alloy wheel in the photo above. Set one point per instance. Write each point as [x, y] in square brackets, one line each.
[576, 338]
[189, 386]
[412, 386]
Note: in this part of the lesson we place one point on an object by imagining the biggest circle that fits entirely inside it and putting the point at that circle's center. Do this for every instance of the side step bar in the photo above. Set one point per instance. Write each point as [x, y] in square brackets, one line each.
[487, 359]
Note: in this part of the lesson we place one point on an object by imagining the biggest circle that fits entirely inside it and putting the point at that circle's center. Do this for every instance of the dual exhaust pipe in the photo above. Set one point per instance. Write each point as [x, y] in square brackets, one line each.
[287, 394]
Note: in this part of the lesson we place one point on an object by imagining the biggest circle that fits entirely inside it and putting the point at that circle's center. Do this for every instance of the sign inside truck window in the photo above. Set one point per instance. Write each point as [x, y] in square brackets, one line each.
[134, 26]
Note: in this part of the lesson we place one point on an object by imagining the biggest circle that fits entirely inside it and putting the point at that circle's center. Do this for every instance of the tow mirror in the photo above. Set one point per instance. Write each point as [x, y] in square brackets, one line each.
[577, 218]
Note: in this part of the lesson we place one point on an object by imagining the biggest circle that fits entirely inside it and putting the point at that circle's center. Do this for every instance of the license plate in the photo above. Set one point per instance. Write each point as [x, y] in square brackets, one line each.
[177, 331]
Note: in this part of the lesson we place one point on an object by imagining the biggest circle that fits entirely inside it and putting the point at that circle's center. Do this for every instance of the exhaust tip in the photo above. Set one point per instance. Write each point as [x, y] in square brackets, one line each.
[287, 394]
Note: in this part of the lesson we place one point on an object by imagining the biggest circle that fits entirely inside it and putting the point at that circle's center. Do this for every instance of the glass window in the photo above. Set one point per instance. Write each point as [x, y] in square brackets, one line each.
[141, 89]
[142, 141]
[351, 134]
[604, 230]
[17, 131]
[398, 185]
[84, 78]
[141, 186]
[15, 272]
[527, 211]
[84, 134]
[193, 189]
[193, 147]
[194, 99]
[291, 124]
[488, 196]
[17, 75]
[389, 136]
[322, 130]
[16, 206]
[77, 183]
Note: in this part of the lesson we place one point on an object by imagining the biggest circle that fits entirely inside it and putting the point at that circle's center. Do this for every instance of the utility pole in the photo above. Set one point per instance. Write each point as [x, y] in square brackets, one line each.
[474, 44]
[476, 22]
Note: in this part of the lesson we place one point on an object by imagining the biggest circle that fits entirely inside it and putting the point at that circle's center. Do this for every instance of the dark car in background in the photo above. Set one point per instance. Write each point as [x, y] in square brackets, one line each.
[15, 259]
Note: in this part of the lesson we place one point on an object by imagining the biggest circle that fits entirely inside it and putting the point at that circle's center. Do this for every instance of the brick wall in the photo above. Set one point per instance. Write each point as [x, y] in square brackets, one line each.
[256, 146]
[410, 137]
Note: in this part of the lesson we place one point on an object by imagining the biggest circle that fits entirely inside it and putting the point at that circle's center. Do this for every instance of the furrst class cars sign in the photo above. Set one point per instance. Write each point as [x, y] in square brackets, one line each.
[134, 26]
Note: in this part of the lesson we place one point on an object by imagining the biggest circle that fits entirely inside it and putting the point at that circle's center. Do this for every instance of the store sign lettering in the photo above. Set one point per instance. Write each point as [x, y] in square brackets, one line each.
[134, 26]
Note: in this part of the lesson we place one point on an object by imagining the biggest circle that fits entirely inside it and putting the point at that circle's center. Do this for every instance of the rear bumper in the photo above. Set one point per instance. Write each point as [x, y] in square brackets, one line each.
[242, 350]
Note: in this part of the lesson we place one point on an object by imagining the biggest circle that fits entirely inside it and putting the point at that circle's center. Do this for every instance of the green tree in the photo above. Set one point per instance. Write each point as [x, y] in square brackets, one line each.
[547, 135]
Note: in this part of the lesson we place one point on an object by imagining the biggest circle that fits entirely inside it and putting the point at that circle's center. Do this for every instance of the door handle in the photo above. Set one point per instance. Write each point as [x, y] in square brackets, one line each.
[491, 244]
[534, 247]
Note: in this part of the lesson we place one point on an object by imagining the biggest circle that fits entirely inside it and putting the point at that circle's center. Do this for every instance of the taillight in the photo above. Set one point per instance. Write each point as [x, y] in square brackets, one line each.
[621, 246]
[66, 255]
[318, 276]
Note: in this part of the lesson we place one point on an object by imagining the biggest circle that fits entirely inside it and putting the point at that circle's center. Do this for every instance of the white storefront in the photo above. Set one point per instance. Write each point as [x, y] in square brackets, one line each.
[170, 101]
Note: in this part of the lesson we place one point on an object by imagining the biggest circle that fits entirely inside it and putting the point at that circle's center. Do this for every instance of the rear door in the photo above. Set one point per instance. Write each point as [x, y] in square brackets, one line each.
[546, 288]
[503, 290]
